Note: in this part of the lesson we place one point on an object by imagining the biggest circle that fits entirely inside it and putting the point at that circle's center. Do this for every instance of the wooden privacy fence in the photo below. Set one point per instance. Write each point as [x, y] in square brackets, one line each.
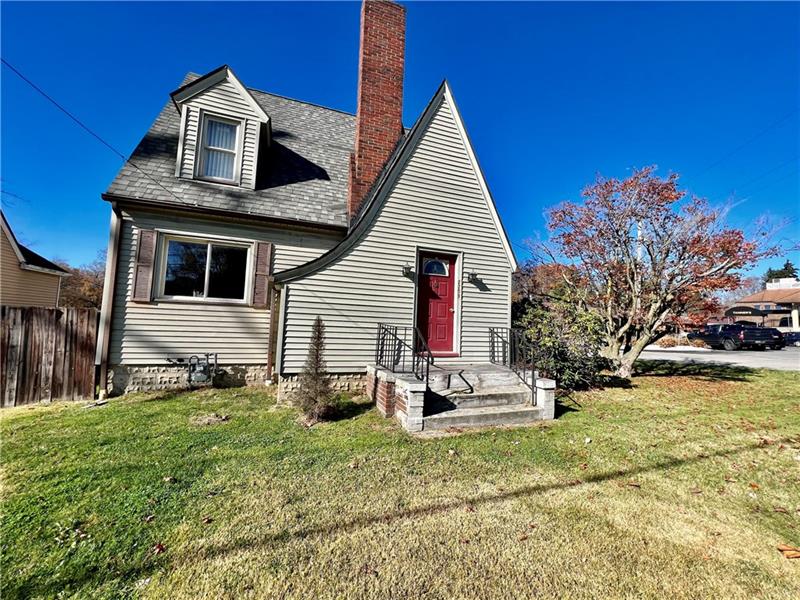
[47, 354]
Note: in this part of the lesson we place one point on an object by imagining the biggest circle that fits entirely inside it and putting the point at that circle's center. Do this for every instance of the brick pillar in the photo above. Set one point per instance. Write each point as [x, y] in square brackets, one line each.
[379, 116]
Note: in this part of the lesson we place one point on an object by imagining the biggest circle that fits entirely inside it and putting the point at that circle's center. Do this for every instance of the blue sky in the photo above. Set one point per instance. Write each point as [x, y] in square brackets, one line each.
[550, 93]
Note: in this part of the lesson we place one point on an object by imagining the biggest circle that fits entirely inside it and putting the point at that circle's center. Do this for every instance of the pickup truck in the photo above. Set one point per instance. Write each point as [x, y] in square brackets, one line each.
[735, 337]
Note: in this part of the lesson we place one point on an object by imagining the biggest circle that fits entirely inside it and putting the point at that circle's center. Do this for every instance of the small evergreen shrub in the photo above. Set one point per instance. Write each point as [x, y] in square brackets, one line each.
[314, 395]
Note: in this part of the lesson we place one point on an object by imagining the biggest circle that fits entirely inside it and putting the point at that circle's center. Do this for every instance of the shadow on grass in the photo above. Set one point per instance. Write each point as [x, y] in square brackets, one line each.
[613, 381]
[436, 509]
[701, 370]
[349, 408]
[566, 403]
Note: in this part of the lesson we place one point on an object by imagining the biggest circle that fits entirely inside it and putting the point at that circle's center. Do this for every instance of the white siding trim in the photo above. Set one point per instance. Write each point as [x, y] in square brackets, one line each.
[179, 162]
[512, 261]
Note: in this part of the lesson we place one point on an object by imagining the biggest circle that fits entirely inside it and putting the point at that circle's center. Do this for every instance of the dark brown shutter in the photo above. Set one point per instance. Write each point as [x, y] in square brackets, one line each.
[145, 258]
[262, 280]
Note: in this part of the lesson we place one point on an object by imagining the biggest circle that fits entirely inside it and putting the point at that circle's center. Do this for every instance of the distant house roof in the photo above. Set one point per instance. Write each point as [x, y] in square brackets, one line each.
[787, 296]
[303, 178]
[27, 257]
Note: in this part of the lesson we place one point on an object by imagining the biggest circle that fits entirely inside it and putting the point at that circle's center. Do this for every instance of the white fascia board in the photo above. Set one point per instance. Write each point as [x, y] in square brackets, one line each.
[512, 261]
[223, 74]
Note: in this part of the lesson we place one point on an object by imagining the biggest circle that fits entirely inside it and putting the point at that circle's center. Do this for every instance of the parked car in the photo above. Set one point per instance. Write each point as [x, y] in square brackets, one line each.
[735, 337]
[777, 337]
[791, 338]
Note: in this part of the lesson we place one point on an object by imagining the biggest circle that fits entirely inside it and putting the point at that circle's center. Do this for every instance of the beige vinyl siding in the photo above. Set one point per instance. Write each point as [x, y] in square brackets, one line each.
[436, 203]
[223, 100]
[146, 333]
[20, 287]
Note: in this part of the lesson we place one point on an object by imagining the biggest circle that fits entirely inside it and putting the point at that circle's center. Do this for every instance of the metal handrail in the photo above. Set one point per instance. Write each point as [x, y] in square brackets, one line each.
[512, 348]
[402, 349]
[422, 346]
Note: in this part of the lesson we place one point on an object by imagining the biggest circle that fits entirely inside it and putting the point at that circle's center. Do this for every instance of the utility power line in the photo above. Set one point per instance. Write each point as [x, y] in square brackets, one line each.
[747, 142]
[764, 174]
[771, 183]
[88, 130]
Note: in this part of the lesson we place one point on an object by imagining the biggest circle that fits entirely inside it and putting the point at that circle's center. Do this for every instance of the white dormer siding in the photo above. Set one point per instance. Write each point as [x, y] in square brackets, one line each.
[228, 101]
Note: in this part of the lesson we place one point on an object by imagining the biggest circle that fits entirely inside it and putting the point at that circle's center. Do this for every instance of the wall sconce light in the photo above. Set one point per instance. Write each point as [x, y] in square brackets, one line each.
[473, 277]
[406, 270]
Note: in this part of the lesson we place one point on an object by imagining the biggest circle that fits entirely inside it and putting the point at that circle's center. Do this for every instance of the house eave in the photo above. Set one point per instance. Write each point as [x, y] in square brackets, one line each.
[27, 267]
[203, 210]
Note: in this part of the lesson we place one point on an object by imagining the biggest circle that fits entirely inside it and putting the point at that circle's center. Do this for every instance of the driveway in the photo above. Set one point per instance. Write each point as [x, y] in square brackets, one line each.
[787, 359]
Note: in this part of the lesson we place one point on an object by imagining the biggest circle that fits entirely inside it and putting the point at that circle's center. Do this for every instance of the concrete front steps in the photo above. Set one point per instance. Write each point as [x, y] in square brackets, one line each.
[459, 396]
[457, 378]
[477, 396]
[484, 416]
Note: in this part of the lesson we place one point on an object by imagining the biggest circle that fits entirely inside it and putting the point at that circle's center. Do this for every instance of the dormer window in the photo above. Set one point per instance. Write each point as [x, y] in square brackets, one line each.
[223, 130]
[218, 155]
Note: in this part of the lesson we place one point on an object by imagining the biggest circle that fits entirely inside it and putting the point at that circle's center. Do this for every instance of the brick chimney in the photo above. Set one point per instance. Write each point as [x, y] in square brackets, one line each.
[379, 117]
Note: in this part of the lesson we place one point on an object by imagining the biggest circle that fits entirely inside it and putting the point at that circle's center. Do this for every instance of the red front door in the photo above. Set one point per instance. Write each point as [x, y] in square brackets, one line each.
[436, 300]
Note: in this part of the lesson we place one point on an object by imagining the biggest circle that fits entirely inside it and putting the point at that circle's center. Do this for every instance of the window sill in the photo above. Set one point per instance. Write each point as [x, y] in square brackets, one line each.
[223, 182]
[203, 302]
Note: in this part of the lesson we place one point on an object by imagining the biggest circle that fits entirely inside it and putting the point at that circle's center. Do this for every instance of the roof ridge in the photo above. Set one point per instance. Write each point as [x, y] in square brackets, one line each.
[253, 89]
[338, 110]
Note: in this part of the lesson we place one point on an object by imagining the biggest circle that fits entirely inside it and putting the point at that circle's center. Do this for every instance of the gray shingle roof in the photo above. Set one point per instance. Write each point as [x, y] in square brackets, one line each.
[303, 178]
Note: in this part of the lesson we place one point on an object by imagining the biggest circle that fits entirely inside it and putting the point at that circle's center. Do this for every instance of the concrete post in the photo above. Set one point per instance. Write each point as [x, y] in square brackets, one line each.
[546, 398]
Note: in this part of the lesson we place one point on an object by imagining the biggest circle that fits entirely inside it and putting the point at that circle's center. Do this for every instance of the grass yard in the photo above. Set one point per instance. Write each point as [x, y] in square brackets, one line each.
[680, 486]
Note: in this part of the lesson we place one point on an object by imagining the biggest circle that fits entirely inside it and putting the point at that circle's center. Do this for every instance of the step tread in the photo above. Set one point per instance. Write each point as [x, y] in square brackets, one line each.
[490, 391]
[484, 410]
[485, 416]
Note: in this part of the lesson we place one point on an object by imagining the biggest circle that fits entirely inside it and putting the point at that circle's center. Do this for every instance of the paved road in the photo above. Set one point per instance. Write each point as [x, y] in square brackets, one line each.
[787, 359]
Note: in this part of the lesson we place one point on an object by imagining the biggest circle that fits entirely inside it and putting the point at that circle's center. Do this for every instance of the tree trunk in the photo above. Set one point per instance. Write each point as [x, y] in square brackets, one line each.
[611, 351]
[624, 368]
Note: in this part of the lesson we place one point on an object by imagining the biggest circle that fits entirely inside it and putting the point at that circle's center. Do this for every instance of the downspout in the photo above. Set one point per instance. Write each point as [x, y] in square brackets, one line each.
[274, 310]
[283, 292]
[109, 285]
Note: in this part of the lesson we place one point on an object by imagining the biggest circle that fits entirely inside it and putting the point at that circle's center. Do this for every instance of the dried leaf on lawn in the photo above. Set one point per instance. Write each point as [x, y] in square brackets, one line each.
[789, 551]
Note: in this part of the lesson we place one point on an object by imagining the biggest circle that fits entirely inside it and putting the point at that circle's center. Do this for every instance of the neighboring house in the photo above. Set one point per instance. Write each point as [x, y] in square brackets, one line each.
[242, 215]
[26, 278]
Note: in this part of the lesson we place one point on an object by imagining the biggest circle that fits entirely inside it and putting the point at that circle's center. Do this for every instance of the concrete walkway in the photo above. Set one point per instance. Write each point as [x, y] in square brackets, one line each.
[787, 359]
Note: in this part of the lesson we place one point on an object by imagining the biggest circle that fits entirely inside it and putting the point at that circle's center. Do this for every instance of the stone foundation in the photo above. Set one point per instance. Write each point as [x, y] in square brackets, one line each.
[353, 383]
[124, 379]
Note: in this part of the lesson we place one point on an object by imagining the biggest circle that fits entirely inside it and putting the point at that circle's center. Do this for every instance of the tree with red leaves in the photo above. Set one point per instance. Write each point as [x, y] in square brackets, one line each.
[640, 251]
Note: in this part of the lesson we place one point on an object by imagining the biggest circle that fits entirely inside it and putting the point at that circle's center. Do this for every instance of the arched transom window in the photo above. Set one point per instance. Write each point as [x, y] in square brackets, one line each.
[435, 266]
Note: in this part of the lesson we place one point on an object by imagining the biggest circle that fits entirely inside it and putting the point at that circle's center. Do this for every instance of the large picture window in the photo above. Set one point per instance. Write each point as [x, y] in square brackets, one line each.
[219, 149]
[204, 269]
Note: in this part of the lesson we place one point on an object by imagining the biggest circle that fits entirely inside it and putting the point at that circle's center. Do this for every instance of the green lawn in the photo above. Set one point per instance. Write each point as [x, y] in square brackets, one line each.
[680, 486]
